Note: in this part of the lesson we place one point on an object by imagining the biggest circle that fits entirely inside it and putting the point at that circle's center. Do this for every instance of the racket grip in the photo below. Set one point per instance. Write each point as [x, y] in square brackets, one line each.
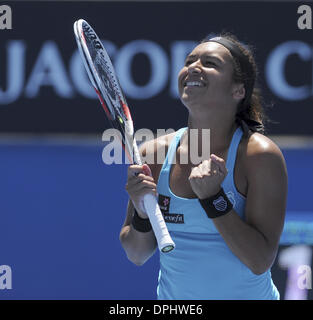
[165, 242]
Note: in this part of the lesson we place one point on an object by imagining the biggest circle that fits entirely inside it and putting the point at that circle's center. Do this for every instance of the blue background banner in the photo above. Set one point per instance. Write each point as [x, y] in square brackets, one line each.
[62, 210]
[44, 88]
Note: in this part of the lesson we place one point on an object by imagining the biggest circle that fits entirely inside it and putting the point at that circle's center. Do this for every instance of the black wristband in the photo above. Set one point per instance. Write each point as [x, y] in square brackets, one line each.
[217, 205]
[140, 224]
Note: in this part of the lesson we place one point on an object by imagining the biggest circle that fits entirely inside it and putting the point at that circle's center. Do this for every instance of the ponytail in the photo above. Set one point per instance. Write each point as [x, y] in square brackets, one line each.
[250, 112]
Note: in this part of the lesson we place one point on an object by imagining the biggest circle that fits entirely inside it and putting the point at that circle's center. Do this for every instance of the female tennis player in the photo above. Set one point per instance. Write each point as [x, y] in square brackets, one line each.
[225, 214]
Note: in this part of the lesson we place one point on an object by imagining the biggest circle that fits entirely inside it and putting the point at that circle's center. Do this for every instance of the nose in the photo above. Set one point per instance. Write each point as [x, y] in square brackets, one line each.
[195, 67]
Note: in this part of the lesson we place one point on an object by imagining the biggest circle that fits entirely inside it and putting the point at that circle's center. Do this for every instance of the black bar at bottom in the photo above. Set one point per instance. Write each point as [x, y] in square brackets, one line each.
[135, 309]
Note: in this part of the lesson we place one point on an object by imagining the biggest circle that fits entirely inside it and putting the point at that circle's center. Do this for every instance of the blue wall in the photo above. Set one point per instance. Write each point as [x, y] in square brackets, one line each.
[61, 213]
[61, 210]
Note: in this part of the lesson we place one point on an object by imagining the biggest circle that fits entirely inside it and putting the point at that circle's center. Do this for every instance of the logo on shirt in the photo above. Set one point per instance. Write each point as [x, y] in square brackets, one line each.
[164, 204]
[173, 218]
[231, 197]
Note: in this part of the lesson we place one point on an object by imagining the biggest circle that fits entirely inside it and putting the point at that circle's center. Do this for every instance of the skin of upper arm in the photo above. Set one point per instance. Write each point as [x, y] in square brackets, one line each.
[154, 151]
[267, 189]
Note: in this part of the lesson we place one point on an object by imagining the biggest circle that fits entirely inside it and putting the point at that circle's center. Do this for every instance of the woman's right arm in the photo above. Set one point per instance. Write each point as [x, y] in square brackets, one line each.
[139, 246]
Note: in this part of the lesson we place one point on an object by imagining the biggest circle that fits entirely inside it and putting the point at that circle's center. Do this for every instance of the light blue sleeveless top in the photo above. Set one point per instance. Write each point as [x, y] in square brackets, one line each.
[202, 266]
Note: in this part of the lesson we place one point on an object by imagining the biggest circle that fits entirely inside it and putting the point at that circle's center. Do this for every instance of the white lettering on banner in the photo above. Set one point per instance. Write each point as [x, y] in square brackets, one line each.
[179, 52]
[49, 69]
[158, 65]
[276, 66]
[80, 78]
[15, 72]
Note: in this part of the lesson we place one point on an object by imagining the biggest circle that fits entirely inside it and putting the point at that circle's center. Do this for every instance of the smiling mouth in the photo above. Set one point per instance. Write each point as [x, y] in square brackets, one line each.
[193, 84]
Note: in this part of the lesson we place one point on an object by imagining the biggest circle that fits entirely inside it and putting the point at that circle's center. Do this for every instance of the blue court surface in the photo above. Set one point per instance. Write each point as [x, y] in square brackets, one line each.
[61, 209]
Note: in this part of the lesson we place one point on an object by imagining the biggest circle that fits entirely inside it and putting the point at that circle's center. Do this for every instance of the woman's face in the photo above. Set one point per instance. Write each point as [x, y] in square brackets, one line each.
[207, 77]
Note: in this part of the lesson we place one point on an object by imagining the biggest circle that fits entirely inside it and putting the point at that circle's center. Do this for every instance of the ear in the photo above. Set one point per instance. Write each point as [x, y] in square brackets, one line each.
[239, 91]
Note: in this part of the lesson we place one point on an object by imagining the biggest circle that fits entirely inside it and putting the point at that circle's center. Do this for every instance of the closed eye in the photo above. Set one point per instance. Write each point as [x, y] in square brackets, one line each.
[210, 63]
[188, 62]
[206, 63]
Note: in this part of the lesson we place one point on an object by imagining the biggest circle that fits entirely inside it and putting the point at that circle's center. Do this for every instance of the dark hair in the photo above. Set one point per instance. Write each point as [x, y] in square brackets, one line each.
[250, 112]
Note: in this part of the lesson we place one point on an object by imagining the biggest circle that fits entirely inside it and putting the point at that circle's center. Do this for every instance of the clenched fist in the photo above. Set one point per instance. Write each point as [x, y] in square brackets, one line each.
[206, 178]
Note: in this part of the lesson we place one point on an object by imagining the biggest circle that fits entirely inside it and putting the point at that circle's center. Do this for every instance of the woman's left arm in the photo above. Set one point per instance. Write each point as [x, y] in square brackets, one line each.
[255, 239]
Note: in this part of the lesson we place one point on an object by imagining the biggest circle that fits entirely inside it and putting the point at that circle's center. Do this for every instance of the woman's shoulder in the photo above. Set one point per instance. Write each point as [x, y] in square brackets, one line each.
[260, 152]
[158, 144]
[258, 144]
[153, 152]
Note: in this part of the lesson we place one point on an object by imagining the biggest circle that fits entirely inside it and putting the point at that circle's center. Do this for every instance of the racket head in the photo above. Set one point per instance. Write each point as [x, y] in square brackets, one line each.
[103, 78]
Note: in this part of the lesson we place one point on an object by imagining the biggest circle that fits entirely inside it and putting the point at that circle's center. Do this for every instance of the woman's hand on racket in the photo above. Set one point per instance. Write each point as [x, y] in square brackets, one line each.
[139, 183]
[206, 178]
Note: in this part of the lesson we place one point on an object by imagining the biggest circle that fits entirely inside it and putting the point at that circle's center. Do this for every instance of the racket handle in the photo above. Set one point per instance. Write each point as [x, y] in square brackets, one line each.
[165, 242]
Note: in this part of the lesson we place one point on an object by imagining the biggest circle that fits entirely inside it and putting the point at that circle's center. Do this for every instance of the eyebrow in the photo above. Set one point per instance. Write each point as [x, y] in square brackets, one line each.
[191, 56]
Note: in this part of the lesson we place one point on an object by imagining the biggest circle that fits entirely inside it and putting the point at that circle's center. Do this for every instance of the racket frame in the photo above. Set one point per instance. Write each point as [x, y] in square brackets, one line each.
[165, 243]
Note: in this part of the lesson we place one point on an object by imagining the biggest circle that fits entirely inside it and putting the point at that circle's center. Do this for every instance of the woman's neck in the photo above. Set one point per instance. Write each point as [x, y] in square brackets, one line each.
[220, 130]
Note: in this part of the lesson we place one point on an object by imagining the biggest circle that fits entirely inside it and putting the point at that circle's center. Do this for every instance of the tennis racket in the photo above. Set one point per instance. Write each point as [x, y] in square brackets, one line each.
[102, 76]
